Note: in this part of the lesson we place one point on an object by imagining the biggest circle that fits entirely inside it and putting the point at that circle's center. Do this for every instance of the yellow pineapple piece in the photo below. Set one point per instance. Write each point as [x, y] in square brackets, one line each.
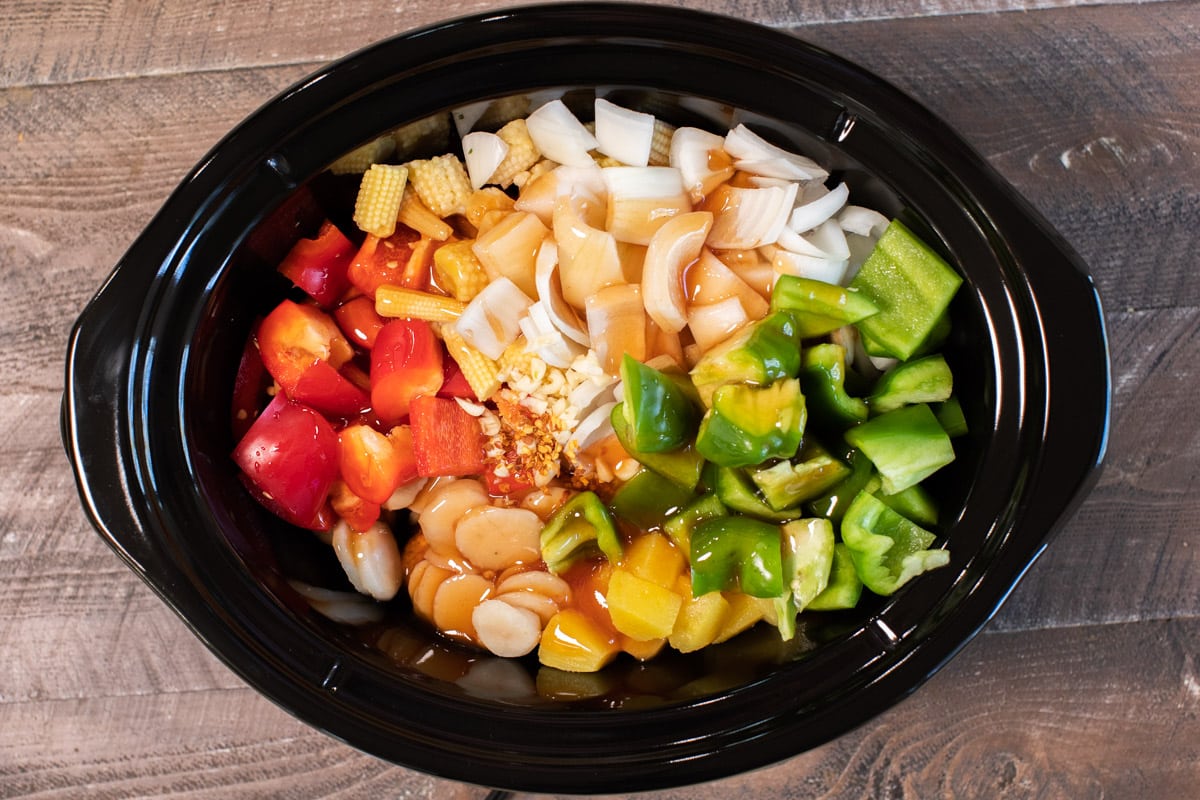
[642, 651]
[572, 642]
[744, 612]
[700, 619]
[653, 557]
[641, 609]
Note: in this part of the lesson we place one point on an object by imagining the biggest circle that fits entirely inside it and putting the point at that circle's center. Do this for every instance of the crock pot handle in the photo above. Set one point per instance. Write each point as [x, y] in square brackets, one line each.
[95, 408]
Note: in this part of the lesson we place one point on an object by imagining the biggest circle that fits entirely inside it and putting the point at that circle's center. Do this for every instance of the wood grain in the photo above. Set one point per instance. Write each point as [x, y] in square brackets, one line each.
[1085, 685]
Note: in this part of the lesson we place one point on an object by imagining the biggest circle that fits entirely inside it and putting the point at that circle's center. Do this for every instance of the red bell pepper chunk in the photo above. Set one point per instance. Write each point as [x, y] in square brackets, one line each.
[359, 321]
[446, 439]
[405, 362]
[302, 348]
[290, 458]
[249, 387]
[507, 485]
[320, 265]
[374, 464]
[379, 261]
[454, 383]
[358, 512]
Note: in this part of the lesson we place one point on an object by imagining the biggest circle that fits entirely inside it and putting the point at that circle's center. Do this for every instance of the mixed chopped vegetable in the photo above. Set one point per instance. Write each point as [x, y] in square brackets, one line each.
[604, 388]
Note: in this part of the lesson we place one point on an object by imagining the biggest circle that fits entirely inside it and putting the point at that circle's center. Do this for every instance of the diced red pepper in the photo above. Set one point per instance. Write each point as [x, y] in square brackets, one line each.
[290, 458]
[320, 265]
[384, 261]
[402, 442]
[249, 386]
[302, 348]
[507, 485]
[358, 512]
[372, 463]
[446, 439]
[405, 362]
[454, 383]
[359, 321]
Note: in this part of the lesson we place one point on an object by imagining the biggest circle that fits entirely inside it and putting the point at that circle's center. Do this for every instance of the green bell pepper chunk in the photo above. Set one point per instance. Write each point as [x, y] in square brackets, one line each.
[807, 562]
[820, 307]
[736, 553]
[648, 499]
[913, 502]
[923, 380]
[888, 550]
[659, 414]
[833, 504]
[682, 467]
[911, 285]
[845, 587]
[906, 446]
[737, 493]
[680, 526]
[760, 352]
[823, 379]
[582, 527]
[748, 424]
[950, 416]
[812, 472]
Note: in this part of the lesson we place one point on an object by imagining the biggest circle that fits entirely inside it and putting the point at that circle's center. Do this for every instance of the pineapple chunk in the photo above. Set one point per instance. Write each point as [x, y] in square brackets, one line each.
[700, 619]
[654, 558]
[641, 609]
[642, 651]
[574, 643]
[744, 612]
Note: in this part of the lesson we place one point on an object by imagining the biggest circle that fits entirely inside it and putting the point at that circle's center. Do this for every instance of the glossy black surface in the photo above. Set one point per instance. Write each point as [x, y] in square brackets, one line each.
[151, 362]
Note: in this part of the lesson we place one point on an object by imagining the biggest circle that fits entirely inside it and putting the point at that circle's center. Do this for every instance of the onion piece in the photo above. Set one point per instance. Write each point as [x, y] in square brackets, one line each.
[595, 426]
[559, 135]
[549, 292]
[492, 320]
[714, 323]
[641, 199]
[482, 153]
[588, 257]
[545, 340]
[710, 280]
[747, 218]
[509, 249]
[815, 212]
[543, 193]
[863, 221]
[749, 149]
[617, 325]
[817, 268]
[673, 247]
[623, 134]
[701, 160]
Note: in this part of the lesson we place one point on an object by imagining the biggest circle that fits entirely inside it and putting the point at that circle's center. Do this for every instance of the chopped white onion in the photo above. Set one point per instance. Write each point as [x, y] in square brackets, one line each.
[714, 323]
[624, 134]
[691, 150]
[672, 248]
[540, 196]
[545, 340]
[863, 221]
[492, 320]
[559, 135]
[748, 148]
[482, 153]
[595, 426]
[811, 214]
[829, 237]
[752, 217]
[549, 289]
[641, 199]
[817, 268]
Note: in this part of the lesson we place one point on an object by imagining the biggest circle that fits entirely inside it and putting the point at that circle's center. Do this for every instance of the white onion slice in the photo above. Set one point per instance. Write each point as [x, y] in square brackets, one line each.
[549, 289]
[559, 135]
[595, 426]
[748, 147]
[672, 248]
[692, 152]
[816, 268]
[811, 214]
[623, 133]
[482, 153]
[862, 221]
[540, 196]
[714, 323]
[751, 217]
[641, 200]
[829, 237]
[545, 340]
[492, 320]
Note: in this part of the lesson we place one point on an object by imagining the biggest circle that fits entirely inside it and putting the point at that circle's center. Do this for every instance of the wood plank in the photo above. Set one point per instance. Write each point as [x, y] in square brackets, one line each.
[67, 42]
[1076, 712]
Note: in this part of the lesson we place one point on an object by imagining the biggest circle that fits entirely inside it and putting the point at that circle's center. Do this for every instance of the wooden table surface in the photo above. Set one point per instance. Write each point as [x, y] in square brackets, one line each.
[1085, 685]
